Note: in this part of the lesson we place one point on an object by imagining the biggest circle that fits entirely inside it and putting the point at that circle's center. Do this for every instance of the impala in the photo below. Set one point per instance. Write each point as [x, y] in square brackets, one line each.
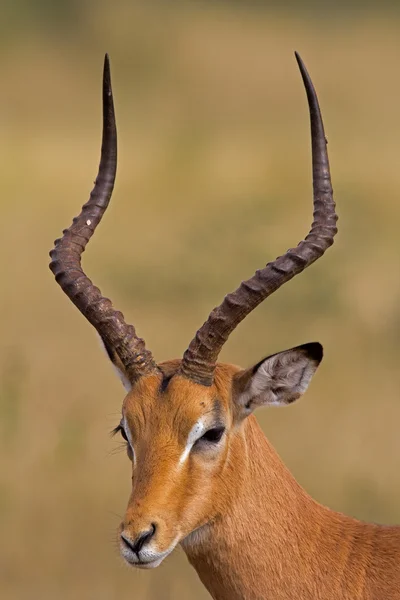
[203, 474]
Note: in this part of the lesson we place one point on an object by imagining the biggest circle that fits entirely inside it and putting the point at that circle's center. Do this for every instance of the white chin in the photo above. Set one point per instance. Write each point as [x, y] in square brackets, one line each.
[148, 565]
[132, 561]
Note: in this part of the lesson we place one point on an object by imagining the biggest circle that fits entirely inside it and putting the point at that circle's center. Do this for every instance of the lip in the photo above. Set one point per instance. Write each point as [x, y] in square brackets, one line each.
[148, 565]
[134, 561]
[154, 559]
[145, 564]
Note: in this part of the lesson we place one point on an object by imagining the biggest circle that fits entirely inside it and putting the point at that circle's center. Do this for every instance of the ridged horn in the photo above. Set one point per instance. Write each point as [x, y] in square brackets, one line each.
[199, 360]
[67, 251]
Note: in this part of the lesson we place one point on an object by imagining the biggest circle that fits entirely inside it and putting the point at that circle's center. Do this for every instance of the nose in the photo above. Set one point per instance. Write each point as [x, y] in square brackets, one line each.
[140, 541]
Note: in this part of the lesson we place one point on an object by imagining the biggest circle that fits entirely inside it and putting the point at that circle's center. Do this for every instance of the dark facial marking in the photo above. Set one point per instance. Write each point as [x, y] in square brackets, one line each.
[164, 383]
[217, 415]
[217, 410]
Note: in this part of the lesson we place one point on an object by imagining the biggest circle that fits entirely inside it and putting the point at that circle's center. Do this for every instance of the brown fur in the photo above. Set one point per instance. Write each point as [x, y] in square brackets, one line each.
[247, 527]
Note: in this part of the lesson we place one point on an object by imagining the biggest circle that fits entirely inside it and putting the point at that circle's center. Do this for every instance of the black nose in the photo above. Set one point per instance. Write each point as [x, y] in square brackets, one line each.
[141, 539]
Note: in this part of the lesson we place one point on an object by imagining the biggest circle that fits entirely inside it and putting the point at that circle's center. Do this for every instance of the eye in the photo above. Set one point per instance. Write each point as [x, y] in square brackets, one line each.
[123, 434]
[121, 430]
[213, 435]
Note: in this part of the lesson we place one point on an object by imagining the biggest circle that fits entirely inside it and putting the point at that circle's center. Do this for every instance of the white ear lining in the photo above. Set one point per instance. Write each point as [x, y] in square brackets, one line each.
[290, 369]
[280, 379]
[120, 373]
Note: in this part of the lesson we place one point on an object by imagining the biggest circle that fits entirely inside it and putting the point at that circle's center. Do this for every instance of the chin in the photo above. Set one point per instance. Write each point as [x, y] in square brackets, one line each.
[147, 565]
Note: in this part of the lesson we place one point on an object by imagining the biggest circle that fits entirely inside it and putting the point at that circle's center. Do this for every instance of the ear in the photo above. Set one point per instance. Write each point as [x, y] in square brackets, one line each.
[277, 380]
[117, 364]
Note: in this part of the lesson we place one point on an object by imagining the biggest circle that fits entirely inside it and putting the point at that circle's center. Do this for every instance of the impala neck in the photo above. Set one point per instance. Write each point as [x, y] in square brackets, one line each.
[273, 541]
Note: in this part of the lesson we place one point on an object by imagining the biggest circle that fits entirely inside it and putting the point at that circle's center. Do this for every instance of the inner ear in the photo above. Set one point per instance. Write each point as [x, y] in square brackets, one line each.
[117, 364]
[277, 380]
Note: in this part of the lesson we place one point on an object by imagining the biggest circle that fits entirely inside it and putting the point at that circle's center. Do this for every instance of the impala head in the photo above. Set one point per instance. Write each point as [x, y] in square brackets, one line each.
[184, 421]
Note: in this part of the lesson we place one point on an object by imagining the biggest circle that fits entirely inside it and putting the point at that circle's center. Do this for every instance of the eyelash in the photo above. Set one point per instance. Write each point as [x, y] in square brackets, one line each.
[121, 430]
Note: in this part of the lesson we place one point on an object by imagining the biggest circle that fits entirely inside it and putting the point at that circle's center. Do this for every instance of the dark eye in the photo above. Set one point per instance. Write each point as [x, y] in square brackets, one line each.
[213, 435]
[123, 434]
[121, 430]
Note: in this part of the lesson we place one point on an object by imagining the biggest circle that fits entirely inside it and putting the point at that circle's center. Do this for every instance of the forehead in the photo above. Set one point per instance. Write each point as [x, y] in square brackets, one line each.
[156, 401]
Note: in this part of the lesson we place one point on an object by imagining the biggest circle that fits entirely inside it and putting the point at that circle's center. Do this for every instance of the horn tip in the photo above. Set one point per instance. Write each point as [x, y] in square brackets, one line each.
[107, 73]
[300, 62]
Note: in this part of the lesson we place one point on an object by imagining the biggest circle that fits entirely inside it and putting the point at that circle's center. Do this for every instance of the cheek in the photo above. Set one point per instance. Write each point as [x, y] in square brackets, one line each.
[196, 503]
[201, 481]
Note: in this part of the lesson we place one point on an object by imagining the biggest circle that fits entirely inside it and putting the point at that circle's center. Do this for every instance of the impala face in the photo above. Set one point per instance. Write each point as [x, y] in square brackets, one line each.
[177, 435]
[184, 440]
[184, 420]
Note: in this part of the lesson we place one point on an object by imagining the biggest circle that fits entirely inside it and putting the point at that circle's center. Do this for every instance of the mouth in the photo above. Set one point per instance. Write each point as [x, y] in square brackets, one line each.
[145, 560]
[148, 565]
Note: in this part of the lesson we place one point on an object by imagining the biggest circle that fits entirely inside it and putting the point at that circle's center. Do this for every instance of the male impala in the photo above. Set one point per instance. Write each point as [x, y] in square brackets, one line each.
[203, 474]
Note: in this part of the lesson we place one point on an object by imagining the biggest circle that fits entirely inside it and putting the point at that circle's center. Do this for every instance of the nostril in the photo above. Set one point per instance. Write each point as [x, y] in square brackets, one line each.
[127, 541]
[144, 537]
[141, 539]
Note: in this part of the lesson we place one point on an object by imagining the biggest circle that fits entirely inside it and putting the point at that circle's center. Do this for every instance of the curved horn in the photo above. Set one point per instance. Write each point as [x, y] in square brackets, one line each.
[66, 255]
[200, 358]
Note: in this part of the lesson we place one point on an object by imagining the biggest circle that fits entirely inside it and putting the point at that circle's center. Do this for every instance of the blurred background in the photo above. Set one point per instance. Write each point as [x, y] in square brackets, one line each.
[213, 181]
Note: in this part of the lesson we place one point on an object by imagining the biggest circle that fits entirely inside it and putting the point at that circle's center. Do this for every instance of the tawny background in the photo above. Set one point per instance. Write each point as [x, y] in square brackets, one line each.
[213, 181]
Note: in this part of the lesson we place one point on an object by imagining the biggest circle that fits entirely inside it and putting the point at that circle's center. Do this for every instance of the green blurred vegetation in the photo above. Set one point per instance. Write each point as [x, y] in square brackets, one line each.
[213, 181]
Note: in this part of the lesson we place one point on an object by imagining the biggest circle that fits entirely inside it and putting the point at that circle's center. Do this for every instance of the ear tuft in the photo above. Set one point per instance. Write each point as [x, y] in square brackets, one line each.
[314, 351]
